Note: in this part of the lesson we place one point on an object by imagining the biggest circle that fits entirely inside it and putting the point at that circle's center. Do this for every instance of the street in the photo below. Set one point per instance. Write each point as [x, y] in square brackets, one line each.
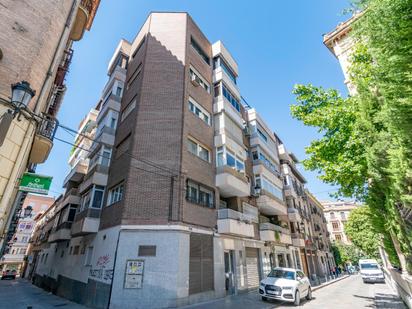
[21, 294]
[347, 293]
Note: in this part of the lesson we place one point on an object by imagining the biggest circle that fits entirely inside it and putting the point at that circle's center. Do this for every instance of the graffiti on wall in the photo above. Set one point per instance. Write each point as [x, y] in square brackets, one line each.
[101, 271]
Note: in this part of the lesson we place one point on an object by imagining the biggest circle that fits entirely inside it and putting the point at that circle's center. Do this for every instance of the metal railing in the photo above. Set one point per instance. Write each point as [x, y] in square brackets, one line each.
[47, 127]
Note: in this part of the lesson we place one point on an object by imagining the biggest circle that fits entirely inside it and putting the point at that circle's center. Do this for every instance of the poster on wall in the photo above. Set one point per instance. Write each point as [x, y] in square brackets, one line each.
[134, 274]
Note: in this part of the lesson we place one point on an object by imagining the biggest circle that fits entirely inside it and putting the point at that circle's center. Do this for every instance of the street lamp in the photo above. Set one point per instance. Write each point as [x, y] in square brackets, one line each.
[21, 93]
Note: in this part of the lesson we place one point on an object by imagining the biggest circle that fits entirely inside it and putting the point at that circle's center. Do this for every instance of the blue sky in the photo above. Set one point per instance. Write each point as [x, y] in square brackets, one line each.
[275, 43]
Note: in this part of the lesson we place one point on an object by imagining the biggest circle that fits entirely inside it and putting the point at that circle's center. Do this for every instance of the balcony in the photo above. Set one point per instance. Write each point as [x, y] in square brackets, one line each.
[112, 102]
[231, 183]
[12, 258]
[222, 104]
[290, 191]
[271, 205]
[61, 232]
[83, 15]
[234, 223]
[77, 172]
[219, 74]
[274, 233]
[97, 175]
[294, 215]
[86, 222]
[71, 197]
[43, 140]
[298, 240]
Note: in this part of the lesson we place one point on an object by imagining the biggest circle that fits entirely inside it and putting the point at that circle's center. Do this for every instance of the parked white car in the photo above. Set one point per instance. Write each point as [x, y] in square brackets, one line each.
[286, 284]
[371, 271]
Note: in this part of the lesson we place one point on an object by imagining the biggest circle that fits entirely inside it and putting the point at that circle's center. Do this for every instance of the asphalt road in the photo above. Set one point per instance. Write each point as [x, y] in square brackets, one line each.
[349, 293]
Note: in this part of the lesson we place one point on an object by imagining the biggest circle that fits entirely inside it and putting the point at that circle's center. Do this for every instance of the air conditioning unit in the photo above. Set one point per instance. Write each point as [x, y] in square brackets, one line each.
[195, 81]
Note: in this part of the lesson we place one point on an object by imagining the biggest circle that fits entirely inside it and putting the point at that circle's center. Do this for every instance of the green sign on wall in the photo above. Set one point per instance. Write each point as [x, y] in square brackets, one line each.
[35, 183]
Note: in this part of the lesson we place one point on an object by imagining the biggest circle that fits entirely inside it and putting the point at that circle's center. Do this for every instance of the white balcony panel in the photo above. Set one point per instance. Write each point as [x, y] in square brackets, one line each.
[235, 227]
[270, 206]
[222, 104]
[298, 242]
[259, 168]
[289, 192]
[218, 48]
[77, 172]
[61, 234]
[293, 215]
[230, 185]
[219, 74]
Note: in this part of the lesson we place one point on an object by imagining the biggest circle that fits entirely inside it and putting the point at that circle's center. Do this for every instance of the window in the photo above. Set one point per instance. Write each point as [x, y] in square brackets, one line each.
[335, 225]
[262, 135]
[198, 150]
[268, 186]
[115, 194]
[93, 198]
[28, 226]
[258, 155]
[227, 157]
[113, 123]
[231, 98]
[89, 255]
[219, 62]
[76, 250]
[72, 213]
[128, 109]
[342, 215]
[199, 111]
[147, 251]
[338, 237]
[199, 50]
[196, 78]
[199, 194]
[332, 215]
[24, 239]
[133, 77]
[105, 158]
[119, 91]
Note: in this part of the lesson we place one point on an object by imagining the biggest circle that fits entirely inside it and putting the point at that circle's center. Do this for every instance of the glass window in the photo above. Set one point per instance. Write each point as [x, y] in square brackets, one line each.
[199, 194]
[227, 70]
[199, 111]
[194, 76]
[198, 150]
[269, 186]
[230, 159]
[199, 50]
[113, 123]
[119, 91]
[220, 157]
[98, 197]
[72, 213]
[115, 194]
[262, 135]
[231, 98]
[105, 161]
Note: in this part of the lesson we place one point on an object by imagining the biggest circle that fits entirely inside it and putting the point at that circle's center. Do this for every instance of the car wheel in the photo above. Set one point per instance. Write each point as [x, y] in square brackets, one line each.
[297, 299]
[264, 298]
[309, 296]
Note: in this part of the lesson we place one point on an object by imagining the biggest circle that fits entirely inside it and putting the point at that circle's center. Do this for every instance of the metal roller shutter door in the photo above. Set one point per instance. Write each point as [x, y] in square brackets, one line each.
[252, 270]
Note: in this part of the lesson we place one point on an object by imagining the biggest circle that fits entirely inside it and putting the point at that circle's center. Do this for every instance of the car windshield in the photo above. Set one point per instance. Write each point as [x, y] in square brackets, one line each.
[369, 266]
[285, 274]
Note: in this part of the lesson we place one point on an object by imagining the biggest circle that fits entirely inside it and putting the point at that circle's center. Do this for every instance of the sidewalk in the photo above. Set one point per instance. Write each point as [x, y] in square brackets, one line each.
[325, 282]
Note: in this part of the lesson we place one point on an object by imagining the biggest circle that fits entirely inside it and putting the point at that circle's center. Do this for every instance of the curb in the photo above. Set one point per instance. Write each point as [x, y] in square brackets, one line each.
[329, 283]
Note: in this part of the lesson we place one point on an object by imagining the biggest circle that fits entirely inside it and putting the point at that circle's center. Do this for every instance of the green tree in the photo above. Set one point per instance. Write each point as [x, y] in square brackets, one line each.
[345, 254]
[366, 142]
[362, 233]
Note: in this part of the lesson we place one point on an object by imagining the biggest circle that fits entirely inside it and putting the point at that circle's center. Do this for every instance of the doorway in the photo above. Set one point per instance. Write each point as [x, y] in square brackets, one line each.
[229, 272]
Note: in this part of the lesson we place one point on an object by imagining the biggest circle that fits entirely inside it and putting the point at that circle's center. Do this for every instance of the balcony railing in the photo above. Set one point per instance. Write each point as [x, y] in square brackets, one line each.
[227, 213]
[273, 227]
[47, 128]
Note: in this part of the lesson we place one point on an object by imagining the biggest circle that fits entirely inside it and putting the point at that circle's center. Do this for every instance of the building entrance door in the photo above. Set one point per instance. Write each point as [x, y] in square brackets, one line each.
[229, 272]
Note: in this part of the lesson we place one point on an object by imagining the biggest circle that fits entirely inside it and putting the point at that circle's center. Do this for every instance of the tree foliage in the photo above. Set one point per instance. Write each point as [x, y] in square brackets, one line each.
[361, 231]
[366, 144]
[347, 254]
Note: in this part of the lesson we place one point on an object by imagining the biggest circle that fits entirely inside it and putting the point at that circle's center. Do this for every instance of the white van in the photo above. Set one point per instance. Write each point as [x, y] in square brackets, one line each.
[371, 271]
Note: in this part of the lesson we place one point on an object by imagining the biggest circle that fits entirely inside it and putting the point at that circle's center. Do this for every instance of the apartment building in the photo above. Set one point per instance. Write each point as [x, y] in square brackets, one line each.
[322, 253]
[176, 192]
[36, 46]
[15, 251]
[336, 214]
[66, 235]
